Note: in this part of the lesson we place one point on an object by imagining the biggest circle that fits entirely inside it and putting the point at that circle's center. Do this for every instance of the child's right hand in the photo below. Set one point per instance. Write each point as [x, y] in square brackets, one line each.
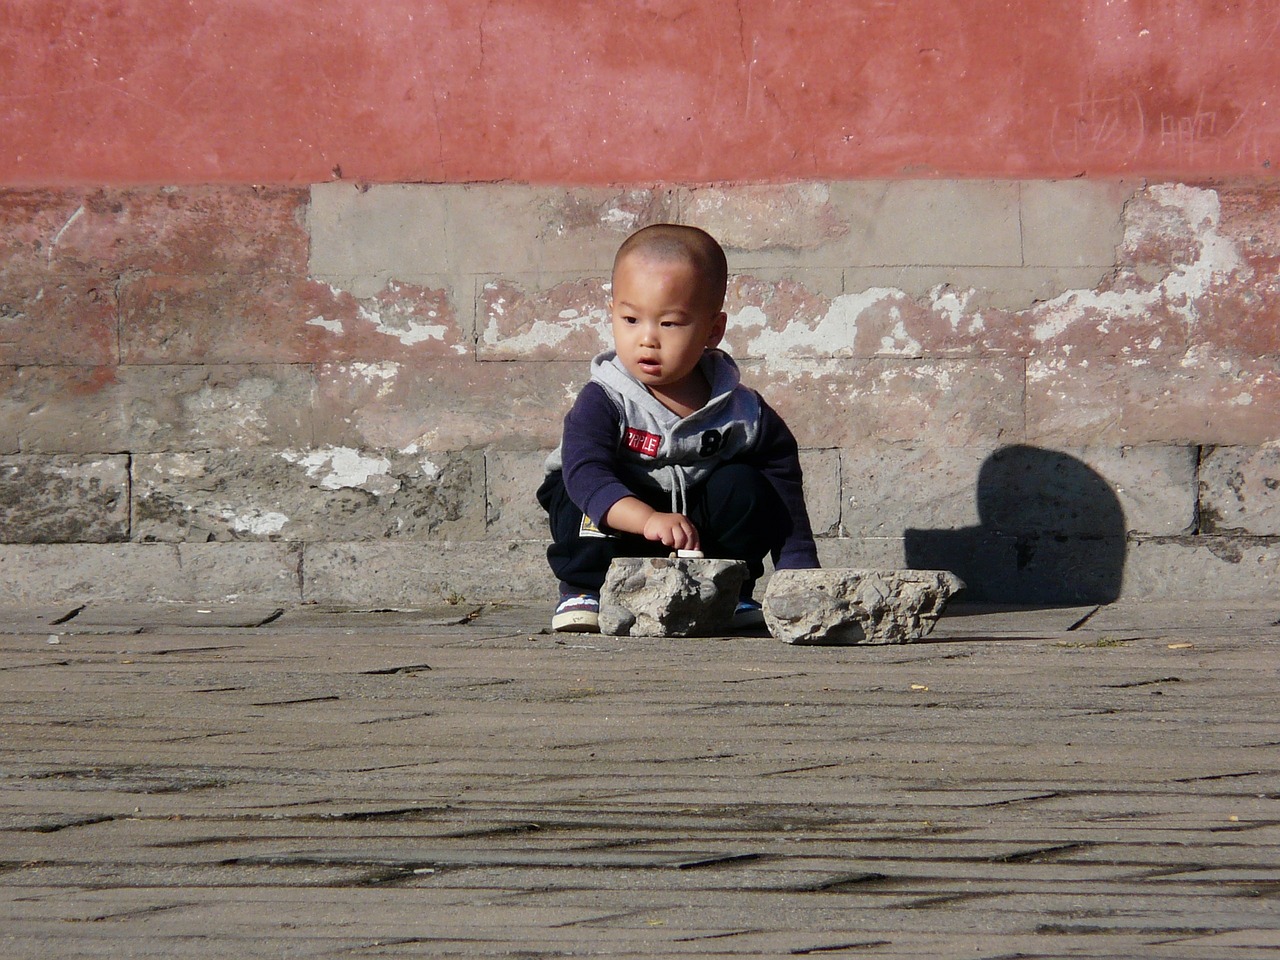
[673, 529]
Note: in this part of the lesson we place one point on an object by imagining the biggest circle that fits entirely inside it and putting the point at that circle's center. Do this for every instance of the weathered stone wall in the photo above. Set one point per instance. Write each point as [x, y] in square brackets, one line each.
[1061, 390]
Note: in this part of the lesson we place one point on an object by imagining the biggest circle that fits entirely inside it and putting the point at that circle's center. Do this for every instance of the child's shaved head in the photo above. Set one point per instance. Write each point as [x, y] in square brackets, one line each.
[666, 242]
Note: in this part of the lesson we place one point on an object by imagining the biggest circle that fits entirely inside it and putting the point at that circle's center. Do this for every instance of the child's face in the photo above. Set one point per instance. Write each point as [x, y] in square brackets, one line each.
[661, 322]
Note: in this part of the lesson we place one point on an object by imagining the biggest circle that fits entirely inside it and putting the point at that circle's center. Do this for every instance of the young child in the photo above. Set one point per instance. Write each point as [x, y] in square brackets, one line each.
[665, 449]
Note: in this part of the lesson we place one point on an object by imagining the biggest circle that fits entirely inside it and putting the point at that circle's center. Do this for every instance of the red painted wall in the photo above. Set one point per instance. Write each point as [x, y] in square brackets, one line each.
[595, 91]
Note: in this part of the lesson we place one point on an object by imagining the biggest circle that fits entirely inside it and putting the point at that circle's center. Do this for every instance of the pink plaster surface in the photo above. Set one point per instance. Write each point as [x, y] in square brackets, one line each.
[147, 91]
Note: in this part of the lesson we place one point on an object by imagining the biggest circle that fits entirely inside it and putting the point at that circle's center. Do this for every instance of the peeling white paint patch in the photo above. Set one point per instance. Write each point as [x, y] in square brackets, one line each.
[257, 522]
[429, 469]
[618, 217]
[1200, 355]
[1201, 211]
[384, 370]
[900, 343]
[1043, 369]
[833, 336]
[1218, 255]
[333, 326]
[400, 321]
[954, 305]
[544, 333]
[336, 468]
[381, 372]
[748, 318]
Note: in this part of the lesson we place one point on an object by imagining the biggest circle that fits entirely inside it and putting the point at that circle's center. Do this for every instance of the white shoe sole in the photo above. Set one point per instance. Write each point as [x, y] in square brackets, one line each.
[576, 621]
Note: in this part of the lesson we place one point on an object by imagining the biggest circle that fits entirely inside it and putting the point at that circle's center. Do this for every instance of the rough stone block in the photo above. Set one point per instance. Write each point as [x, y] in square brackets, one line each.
[954, 403]
[386, 231]
[32, 224]
[154, 408]
[548, 229]
[1026, 490]
[401, 572]
[921, 222]
[11, 410]
[1026, 568]
[436, 405]
[64, 499]
[661, 597]
[1166, 224]
[1208, 568]
[888, 489]
[1243, 319]
[1072, 222]
[1021, 490]
[264, 572]
[53, 319]
[1155, 484]
[276, 319]
[1114, 402]
[753, 220]
[512, 510]
[1240, 490]
[840, 607]
[822, 490]
[867, 553]
[181, 231]
[933, 222]
[306, 494]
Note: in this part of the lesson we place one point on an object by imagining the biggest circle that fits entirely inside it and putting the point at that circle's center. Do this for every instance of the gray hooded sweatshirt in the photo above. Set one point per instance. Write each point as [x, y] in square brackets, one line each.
[619, 438]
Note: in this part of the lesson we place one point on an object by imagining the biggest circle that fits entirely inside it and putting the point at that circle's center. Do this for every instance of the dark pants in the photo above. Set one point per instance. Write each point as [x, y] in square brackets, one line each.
[738, 515]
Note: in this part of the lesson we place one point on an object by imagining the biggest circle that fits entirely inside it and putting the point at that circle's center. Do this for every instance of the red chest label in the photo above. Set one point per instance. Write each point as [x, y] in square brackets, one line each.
[645, 444]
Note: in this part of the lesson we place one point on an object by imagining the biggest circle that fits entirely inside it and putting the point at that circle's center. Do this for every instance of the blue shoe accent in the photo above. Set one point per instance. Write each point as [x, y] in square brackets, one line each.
[748, 613]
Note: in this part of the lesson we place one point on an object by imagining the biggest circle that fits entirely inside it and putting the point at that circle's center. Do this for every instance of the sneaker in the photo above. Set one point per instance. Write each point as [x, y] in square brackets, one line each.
[747, 614]
[577, 613]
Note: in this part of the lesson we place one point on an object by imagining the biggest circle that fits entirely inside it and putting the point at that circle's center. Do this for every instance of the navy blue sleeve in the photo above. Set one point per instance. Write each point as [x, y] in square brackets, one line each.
[589, 451]
[777, 456]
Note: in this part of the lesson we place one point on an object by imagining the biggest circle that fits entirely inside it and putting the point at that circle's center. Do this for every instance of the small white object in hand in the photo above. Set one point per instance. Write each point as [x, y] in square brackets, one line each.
[689, 554]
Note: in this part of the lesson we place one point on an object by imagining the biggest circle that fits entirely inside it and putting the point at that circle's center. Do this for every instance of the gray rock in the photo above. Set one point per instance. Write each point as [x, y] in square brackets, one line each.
[845, 606]
[660, 597]
[64, 499]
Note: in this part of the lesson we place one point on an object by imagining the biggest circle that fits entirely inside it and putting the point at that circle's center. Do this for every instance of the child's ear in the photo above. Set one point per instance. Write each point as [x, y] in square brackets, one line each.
[716, 333]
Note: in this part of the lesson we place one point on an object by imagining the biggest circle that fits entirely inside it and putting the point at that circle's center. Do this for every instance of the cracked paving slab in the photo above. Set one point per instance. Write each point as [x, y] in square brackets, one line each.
[460, 783]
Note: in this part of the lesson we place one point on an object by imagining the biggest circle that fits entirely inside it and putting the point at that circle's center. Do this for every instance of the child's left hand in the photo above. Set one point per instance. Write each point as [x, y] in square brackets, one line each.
[675, 530]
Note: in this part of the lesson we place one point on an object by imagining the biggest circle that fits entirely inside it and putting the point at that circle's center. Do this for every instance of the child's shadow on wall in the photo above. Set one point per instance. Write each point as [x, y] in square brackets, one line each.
[1051, 532]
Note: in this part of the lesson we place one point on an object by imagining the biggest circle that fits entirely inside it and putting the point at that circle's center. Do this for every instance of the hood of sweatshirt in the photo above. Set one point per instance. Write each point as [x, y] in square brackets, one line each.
[717, 366]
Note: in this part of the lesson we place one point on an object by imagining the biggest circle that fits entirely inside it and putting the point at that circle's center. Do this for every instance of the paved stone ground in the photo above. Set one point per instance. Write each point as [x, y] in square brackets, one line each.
[230, 782]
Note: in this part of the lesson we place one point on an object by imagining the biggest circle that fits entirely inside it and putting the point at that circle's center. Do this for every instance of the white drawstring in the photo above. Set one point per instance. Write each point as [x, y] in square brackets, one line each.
[679, 491]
